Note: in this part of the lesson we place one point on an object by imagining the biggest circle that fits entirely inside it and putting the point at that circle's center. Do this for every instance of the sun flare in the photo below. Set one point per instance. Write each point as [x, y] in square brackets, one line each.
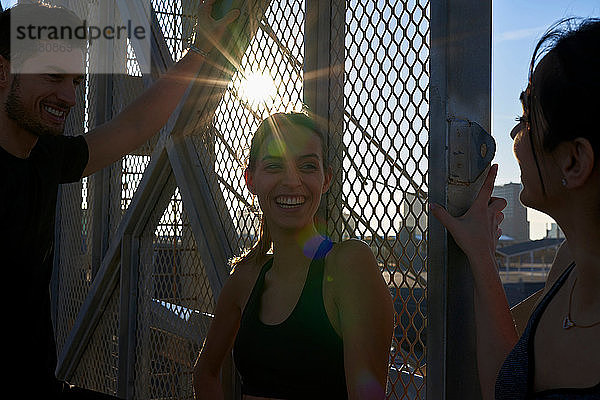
[257, 88]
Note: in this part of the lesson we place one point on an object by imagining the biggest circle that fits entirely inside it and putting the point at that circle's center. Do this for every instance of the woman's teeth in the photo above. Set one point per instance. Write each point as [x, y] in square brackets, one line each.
[290, 201]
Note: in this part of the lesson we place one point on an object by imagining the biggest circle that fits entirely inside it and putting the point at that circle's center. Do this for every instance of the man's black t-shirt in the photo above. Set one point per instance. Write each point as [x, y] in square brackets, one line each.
[28, 190]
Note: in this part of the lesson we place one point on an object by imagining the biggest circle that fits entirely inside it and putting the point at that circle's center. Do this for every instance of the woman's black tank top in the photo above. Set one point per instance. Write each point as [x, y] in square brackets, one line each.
[515, 379]
[300, 358]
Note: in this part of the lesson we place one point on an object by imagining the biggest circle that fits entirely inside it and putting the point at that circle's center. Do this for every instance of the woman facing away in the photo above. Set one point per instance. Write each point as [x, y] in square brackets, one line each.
[557, 145]
[314, 319]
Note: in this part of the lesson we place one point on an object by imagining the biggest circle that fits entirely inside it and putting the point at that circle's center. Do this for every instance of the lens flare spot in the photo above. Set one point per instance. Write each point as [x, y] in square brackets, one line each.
[369, 387]
[257, 88]
[276, 147]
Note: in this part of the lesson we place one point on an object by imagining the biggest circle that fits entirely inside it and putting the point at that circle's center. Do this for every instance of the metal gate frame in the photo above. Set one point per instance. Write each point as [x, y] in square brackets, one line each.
[460, 87]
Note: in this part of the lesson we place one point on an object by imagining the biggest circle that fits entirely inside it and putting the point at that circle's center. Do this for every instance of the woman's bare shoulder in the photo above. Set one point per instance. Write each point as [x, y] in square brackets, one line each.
[351, 253]
[241, 280]
[352, 262]
[350, 248]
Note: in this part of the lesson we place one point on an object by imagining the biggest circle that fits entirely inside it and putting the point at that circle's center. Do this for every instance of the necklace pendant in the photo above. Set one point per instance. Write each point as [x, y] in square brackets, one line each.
[567, 323]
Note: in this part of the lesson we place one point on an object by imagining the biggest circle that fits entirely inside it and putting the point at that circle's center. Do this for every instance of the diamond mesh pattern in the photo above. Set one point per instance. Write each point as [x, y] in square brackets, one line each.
[126, 174]
[175, 304]
[75, 239]
[74, 245]
[384, 157]
[99, 367]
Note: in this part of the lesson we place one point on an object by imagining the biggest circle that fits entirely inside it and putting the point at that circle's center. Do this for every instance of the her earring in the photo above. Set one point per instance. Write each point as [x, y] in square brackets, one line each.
[563, 181]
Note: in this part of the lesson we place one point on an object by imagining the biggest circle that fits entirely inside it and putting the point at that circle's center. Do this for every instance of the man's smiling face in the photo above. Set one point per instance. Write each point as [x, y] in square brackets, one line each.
[43, 92]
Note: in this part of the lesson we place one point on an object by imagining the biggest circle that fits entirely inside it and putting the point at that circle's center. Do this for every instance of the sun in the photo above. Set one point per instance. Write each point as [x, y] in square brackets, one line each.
[257, 88]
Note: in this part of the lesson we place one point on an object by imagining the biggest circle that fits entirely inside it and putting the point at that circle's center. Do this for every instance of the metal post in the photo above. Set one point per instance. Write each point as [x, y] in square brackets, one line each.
[100, 181]
[460, 87]
[324, 50]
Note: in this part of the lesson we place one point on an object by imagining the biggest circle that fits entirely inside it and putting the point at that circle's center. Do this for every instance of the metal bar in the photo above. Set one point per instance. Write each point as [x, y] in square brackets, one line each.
[323, 79]
[161, 56]
[130, 247]
[238, 196]
[460, 86]
[100, 181]
[437, 240]
[213, 245]
[159, 61]
[126, 313]
[136, 11]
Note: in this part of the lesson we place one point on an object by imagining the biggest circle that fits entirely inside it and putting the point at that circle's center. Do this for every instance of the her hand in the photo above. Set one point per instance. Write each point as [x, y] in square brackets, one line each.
[477, 231]
[209, 31]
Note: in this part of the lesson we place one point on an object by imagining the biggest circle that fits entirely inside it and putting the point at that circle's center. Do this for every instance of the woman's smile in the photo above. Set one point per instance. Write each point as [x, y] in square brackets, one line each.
[290, 201]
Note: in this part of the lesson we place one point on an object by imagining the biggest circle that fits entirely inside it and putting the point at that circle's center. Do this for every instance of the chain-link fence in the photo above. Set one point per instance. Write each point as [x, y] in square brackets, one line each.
[384, 159]
[378, 136]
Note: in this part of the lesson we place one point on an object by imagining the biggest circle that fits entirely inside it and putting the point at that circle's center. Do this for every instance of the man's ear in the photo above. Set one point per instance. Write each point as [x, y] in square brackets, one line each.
[4, 72]
[249, 180]
[576, 161]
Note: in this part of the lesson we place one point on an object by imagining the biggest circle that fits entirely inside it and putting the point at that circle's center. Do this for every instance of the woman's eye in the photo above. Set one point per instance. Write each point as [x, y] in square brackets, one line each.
[308, 167]
[272, 167]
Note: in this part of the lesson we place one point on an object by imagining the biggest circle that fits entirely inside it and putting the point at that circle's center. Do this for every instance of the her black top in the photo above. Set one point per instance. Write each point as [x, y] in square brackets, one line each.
[300, 358]
[515, 379]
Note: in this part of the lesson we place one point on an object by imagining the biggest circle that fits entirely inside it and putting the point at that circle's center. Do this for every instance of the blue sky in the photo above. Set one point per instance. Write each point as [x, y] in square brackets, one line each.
[7, 3]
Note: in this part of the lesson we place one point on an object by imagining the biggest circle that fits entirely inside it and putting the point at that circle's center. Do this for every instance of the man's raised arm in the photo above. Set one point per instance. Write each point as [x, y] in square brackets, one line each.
[147, 114]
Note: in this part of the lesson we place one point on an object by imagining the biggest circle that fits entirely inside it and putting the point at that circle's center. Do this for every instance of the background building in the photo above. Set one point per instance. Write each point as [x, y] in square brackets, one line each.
[554, 231]
[515, 222]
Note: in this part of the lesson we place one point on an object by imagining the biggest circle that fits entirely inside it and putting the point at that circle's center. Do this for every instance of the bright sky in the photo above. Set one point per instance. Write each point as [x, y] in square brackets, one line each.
[516, 27]
[7, 3]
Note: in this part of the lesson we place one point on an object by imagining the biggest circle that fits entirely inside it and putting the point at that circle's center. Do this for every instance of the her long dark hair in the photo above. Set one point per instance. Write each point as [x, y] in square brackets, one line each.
[564, 102]
[269, 128]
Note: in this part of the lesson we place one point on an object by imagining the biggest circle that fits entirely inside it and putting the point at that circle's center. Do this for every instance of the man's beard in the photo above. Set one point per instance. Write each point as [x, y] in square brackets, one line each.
[16, 111]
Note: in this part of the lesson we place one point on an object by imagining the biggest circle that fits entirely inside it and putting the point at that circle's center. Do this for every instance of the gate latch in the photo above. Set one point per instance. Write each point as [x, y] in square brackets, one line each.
[470, 152]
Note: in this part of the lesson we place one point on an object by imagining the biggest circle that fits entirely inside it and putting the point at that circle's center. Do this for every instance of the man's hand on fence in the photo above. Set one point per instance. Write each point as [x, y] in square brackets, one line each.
[210, 31]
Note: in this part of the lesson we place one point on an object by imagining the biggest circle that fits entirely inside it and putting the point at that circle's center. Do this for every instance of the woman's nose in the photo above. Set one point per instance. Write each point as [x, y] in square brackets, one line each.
[291, 176]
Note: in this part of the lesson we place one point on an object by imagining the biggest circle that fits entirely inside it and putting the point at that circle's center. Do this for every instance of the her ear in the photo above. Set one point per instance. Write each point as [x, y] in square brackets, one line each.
[249, 181]
[576, 161]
